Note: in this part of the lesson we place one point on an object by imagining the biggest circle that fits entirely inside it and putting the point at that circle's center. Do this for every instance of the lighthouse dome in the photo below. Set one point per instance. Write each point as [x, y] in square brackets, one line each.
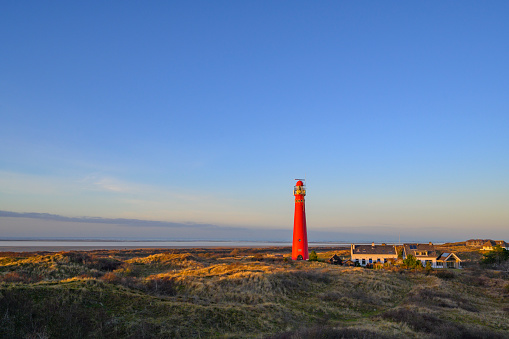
[299, 183]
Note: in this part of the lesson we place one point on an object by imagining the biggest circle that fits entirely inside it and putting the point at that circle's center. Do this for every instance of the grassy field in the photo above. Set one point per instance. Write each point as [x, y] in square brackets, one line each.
[234, 293]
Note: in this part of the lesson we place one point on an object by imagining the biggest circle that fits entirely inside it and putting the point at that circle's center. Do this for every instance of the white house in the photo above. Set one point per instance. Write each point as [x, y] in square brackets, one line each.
[423, 252]
[370, 254]
[502, 244]
[490, 245]
[448, 260]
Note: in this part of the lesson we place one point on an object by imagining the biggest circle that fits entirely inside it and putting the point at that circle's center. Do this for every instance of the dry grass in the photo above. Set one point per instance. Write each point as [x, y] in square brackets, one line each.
[245, 293]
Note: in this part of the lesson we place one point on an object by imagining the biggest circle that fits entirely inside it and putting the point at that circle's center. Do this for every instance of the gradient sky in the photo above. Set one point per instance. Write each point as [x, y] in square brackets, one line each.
[397, 113]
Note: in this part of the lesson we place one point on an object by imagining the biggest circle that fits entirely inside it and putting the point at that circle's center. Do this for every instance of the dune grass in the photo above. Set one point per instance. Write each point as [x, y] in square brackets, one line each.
[241, 293]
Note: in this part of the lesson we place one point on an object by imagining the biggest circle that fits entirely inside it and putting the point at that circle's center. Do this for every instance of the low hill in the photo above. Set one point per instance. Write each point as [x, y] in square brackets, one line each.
[233, 293]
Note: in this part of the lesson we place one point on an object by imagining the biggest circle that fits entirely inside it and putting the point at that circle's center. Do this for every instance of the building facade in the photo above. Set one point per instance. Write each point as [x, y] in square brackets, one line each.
[370, 254]
[490, 245]
[448, 260]
[426, 253]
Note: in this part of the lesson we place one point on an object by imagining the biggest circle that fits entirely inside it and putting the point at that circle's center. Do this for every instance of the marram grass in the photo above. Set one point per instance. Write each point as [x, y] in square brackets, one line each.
[240, 293]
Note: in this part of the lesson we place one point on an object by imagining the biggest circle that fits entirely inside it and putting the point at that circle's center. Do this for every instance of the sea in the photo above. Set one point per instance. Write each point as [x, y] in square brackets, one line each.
[83, 245]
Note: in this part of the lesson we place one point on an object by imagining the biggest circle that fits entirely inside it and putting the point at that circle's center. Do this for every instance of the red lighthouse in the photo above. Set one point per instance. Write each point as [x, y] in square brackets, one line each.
[300, 234]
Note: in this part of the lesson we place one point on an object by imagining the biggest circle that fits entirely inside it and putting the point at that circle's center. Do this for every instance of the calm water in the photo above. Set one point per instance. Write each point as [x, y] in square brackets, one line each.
[64, 245]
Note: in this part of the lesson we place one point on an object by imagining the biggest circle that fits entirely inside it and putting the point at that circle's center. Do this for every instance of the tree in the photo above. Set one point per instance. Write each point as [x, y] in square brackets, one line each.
[496, 256]
[412, 262]
[313, 256]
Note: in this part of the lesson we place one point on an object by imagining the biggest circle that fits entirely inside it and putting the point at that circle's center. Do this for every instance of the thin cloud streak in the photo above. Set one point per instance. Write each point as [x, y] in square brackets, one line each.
[44, 225]
[99, 220]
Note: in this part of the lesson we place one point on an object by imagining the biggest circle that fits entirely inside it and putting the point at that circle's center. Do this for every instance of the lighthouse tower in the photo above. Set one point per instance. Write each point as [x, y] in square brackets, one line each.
[300, 234]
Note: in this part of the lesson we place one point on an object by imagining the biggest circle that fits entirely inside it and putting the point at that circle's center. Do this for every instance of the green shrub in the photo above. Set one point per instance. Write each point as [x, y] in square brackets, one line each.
[412, 262]
[495, 257]
[313, 256]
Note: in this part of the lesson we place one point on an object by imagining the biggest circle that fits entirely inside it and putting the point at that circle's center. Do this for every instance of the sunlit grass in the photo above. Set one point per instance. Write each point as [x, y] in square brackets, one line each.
[243, 293]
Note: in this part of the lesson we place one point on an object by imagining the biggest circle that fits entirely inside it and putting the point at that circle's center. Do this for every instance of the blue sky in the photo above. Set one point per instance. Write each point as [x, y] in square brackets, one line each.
[204, 112]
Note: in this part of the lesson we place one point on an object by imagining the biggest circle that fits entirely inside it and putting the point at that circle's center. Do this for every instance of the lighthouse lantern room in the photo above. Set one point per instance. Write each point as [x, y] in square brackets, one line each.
[300, 237]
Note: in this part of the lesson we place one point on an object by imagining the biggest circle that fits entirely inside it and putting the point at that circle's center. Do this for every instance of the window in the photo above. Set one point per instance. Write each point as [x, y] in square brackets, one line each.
[370, 260]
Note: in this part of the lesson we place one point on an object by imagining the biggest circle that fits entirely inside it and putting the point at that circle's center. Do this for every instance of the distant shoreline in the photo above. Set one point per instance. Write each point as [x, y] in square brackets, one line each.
[76, 245]
[57, 245]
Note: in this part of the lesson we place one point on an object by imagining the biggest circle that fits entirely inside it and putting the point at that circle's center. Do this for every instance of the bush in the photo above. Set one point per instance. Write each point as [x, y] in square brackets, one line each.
[19, 277]
[313, 256]
[495, 257]
[77, 257]
[111, 278]
[412, 262]
[258, 256]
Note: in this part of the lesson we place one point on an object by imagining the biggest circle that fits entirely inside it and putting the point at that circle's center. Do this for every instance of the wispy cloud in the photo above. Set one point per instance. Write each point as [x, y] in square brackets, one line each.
[99, 220]
[104, 183]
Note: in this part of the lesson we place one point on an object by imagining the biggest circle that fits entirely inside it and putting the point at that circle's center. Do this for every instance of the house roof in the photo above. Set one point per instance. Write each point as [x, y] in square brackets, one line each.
[490, 243]
[373, 249]
[446, 256]
[413, 249]
[443, 256]
[502, 243]
[476, 240]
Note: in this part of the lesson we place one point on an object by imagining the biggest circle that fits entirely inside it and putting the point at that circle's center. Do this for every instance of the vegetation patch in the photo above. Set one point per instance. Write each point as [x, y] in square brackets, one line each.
[248, 293]
[438, 327]
[325, 332]
[433, 297]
